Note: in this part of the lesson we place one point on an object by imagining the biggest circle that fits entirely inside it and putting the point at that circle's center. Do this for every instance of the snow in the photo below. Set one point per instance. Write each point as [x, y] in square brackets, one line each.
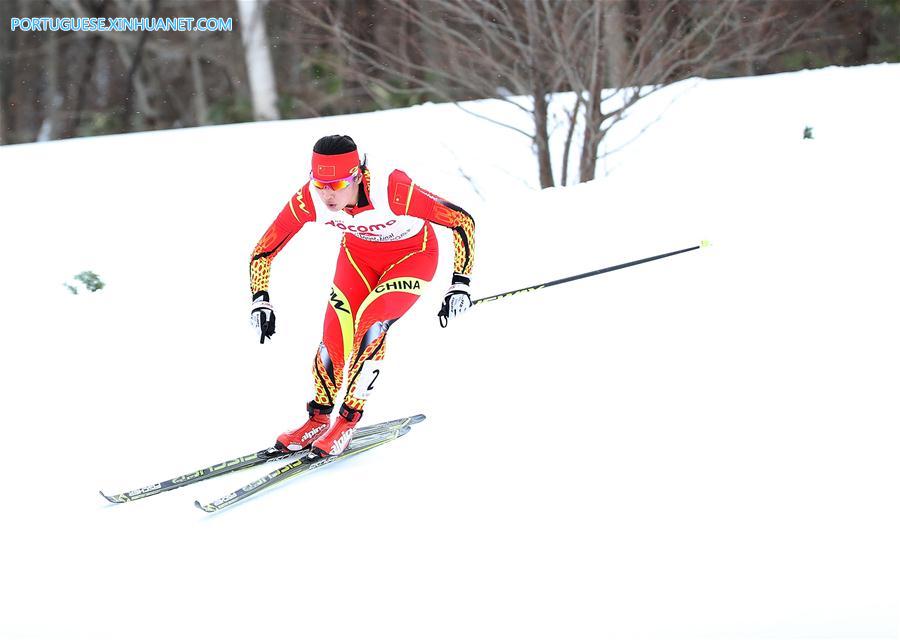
[699, 447]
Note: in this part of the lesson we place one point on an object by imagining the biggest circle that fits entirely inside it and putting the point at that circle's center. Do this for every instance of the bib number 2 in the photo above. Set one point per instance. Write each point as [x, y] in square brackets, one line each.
[368, 375]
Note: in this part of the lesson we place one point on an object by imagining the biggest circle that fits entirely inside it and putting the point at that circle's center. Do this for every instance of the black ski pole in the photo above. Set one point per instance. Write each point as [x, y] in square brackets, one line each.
[551, 283]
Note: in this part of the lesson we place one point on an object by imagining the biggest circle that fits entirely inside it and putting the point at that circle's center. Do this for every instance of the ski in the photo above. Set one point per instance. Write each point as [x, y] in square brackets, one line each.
[359, 444]
[243, 462]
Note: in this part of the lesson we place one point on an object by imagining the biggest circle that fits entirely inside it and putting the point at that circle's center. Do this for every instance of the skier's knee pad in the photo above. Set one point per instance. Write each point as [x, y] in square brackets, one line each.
[376, 331]
[325, 358]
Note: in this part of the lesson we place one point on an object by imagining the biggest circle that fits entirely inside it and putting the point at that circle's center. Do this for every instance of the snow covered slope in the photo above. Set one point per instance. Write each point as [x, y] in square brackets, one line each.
[701, 447]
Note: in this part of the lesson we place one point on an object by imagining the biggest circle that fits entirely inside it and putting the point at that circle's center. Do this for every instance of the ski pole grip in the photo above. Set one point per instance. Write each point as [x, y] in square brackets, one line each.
[444, 313]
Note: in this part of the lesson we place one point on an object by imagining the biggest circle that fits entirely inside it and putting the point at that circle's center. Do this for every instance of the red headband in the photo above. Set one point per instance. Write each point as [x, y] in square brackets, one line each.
[326, 168]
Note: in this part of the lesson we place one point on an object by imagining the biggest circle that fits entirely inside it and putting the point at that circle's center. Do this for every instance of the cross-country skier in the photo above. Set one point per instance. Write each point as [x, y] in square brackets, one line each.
[388, 254]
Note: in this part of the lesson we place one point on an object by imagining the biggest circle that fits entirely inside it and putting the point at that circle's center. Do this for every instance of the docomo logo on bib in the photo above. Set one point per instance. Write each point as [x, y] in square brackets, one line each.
[361, 228]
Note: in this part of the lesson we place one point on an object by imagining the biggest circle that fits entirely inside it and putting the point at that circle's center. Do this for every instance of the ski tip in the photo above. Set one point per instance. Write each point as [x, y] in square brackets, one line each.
[705, 243]
[416, 418]
[206, 509]
[111, 499]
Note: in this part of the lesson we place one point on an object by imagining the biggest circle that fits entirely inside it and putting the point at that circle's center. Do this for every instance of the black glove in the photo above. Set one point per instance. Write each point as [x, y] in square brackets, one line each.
[262, 316]
[457, 299]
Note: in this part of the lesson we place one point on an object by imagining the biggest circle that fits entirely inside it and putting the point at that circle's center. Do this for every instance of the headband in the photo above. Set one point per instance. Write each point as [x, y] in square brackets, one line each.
[336, 167]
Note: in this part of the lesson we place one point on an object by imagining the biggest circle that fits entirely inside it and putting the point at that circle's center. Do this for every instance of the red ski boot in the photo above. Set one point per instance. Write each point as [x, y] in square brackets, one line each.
[336, 439]
[302, 437]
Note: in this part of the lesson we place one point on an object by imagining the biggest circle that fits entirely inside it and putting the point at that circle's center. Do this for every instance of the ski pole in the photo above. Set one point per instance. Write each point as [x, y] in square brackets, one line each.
[588, 274]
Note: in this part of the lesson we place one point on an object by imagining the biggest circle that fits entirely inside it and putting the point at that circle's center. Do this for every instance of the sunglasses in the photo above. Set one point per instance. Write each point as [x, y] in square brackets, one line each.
[334, 185]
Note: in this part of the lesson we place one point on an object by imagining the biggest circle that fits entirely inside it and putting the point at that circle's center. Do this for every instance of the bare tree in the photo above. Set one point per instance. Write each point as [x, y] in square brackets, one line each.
[84, 70]
[669, 40]
[259, 61]
[343, 56]
[615, 42]
[201, 105]
[53, 98]
[7, 68]
[139, 80]
[135, 66]
[610, 53]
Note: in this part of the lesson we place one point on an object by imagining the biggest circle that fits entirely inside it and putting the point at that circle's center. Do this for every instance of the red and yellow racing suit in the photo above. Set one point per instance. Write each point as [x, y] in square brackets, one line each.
[388, 254]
